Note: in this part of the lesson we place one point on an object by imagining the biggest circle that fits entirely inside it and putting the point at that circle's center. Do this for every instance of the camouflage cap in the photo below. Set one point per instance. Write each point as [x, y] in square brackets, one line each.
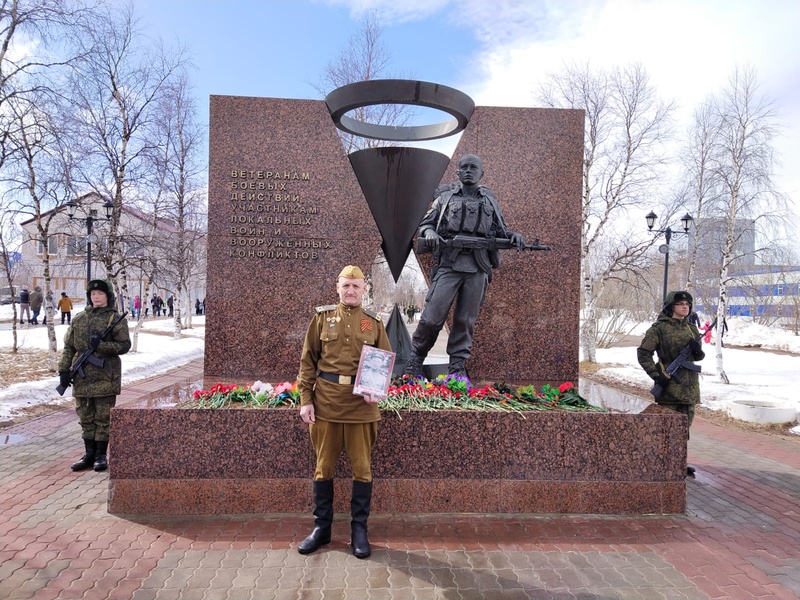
[352, 272]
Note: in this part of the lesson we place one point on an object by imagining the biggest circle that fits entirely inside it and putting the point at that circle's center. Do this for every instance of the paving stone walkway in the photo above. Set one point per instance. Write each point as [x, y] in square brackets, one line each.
[739, 539]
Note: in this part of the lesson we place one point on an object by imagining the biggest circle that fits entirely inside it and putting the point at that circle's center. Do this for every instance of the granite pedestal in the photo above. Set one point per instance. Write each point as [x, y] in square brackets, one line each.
[169, 460]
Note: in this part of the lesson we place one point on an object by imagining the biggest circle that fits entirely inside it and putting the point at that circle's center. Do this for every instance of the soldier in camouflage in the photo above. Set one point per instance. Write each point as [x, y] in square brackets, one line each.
[667, 337]
[96, 393]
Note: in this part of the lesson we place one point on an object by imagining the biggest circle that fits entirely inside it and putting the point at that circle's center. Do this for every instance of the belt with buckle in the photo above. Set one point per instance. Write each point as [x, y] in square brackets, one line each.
[340, 379]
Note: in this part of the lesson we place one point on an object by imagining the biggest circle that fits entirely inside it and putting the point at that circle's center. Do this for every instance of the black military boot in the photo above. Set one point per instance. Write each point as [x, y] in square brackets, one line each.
[101, 460]
[457, 367]
[88, 459]
[323, 518]
[414, 365]
[359, 511]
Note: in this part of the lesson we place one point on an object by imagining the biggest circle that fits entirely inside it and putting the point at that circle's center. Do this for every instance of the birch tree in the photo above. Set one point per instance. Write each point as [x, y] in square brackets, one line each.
[180, 184]
[364, 58]
[113, 91]
[747, 127]
[626, 127]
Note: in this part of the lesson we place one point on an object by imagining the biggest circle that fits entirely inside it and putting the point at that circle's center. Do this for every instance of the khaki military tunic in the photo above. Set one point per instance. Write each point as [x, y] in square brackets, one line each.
[333, 344]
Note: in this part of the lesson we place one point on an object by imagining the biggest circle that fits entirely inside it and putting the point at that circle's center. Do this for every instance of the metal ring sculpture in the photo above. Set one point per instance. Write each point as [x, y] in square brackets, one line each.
[400, 91]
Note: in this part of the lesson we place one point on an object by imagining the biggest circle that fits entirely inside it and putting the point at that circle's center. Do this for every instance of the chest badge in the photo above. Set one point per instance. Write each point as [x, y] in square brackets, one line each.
[366, 324]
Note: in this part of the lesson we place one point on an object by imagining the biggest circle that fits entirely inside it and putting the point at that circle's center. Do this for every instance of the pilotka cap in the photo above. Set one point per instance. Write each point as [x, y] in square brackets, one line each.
[352, 272]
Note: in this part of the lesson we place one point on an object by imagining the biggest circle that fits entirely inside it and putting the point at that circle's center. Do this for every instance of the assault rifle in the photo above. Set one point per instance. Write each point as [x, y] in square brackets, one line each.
[87, 356]
[468, 242]
[682, 360]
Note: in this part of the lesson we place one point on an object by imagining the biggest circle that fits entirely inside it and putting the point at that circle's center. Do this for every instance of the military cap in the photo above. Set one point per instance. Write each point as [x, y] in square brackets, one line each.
[681, 296]
[97, 284]
[352, 272]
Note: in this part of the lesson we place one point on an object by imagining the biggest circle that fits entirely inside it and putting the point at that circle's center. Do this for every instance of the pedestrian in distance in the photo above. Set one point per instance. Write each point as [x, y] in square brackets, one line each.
[670, 334]
[65, 306]
[96, 392]
[36, 300]
[24, 306]
[337, 419]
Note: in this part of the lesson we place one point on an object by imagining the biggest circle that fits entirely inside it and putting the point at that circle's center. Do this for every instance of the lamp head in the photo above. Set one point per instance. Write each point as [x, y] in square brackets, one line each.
[651, 219]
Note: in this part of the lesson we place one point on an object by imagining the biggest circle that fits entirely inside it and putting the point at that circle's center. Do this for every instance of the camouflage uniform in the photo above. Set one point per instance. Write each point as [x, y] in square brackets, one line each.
[95, 394]
[667, 337]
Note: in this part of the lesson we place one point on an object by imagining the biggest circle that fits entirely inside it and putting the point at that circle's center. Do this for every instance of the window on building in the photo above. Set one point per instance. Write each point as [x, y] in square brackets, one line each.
[76, 246]
[52, 245]
[779, 290]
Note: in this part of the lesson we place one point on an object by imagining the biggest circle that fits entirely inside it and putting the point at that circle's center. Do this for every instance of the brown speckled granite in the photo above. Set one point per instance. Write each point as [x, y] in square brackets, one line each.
[533, 163]
[258, 308]
[189, 461]
[528, 327]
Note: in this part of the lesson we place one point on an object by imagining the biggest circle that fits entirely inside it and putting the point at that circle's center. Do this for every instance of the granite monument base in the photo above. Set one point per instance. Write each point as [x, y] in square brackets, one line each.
[170, 460]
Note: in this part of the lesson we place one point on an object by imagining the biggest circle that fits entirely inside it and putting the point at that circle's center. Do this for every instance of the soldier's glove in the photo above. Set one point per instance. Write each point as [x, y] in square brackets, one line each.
[432, 238]
[95, 340]
[695, 346]
[64, 378]
[663, 381]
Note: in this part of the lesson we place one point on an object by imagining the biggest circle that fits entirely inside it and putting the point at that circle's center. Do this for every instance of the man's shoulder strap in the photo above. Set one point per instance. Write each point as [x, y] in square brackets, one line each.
[371, 313]
[325, 308]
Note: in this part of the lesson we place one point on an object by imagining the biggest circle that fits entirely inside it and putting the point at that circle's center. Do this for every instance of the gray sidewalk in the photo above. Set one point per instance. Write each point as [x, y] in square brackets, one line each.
[739, 539]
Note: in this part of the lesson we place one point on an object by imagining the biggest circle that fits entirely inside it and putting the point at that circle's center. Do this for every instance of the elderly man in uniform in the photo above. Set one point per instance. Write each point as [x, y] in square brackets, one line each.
[337, 418]
[462, 276]
[671, 332]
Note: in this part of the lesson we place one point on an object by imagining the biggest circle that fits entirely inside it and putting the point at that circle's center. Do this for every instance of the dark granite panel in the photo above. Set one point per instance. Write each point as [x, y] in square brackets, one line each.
[298, 243]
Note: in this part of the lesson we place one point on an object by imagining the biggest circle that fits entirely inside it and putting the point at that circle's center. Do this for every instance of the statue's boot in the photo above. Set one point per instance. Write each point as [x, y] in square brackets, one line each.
[414, 365]
[457, 367]
[323, 518]
[359, 512]
[88, 458]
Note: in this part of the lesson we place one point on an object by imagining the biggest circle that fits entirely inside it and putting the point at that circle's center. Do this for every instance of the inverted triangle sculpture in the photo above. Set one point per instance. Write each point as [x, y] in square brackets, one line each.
[398, 182]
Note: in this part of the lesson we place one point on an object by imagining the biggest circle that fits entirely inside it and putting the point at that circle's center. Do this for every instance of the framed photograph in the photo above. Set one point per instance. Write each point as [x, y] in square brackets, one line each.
[374, 372]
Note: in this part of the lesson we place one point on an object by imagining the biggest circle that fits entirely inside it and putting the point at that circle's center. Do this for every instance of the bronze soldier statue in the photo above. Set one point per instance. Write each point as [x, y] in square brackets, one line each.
[470, 212]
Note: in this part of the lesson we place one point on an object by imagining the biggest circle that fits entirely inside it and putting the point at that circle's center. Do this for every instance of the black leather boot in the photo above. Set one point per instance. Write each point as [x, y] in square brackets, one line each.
[359, 511]
[88, 458]
[323, 518]
[101, 460]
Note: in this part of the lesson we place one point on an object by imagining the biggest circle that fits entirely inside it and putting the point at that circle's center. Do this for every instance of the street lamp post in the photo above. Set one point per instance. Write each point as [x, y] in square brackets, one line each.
[686, 223]
[72, 207]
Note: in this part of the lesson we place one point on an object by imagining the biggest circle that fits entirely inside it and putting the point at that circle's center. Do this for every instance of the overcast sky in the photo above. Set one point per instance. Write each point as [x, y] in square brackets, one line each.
[498, 51]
